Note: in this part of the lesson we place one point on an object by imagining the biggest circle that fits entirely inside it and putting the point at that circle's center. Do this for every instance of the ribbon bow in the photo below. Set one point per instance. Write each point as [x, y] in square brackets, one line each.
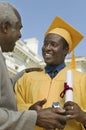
[66, 87]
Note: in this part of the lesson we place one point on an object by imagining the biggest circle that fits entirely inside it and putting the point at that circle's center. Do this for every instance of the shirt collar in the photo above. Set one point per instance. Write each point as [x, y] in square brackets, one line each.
[49, 68]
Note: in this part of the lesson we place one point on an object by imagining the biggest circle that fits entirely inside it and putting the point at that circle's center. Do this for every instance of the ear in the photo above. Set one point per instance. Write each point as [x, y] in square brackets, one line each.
[5, 27]
[66, 50]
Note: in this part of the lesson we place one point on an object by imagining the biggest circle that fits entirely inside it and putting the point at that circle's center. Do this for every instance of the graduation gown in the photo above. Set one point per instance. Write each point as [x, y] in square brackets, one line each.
[35, 86]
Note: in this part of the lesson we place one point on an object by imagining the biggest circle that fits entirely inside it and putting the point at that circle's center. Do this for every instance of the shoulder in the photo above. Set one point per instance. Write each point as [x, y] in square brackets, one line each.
[79, 76]
[32, 75]
[79, 73]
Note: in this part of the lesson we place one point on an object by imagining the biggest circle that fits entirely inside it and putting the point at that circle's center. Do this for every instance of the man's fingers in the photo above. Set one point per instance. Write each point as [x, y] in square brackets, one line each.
[58, 110]
[42, 102]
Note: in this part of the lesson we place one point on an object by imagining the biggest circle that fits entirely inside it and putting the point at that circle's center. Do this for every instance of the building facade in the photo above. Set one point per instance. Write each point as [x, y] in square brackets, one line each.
[25, 55]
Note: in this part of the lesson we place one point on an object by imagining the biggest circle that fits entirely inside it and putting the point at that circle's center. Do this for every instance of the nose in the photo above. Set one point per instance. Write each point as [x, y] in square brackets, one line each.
[48, 47]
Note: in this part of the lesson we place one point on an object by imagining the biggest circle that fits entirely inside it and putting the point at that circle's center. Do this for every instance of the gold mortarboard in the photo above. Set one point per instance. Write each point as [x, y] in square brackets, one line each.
[69, 33]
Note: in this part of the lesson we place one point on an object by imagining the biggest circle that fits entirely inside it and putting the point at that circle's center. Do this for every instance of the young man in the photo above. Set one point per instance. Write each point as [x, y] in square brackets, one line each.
[60, 39]
[10, 118]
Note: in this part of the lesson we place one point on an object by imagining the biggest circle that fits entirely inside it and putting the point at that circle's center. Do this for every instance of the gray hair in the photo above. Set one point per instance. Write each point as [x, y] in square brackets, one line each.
[7, 13]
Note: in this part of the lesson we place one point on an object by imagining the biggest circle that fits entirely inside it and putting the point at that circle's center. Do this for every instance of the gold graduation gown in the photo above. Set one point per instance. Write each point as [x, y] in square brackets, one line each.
[35, 86]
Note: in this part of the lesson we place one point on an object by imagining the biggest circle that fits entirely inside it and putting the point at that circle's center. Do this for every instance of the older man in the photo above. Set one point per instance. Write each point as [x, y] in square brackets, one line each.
[10, 118]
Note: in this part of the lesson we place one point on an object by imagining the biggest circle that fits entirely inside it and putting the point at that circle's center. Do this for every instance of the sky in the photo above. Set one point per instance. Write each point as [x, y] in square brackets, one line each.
[37, 15]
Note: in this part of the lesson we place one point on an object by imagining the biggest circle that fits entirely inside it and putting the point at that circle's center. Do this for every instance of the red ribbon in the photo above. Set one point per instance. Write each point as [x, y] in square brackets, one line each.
[66, 87]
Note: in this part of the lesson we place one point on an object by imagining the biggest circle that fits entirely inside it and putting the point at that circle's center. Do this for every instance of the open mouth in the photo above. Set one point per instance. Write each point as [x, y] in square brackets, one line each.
[47, 55]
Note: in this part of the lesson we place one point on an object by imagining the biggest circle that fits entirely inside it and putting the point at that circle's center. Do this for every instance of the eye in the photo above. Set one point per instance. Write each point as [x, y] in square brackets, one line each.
[46, 43]
[53, 44]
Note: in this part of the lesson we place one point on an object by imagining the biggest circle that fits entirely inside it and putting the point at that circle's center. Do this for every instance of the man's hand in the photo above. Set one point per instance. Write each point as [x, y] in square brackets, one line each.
[38, 105]
[51, 118]
[73, 111]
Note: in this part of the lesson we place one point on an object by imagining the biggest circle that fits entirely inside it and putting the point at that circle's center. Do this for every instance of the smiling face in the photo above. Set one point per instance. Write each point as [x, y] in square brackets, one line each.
[54, 49]
[13, 32]
[10, 29]
[10, 37]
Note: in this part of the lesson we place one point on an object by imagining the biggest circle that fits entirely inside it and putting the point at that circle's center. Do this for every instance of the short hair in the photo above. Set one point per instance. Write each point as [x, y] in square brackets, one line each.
[7, 13]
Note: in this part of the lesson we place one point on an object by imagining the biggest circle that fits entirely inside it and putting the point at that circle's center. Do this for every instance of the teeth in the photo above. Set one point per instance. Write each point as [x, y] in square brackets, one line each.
[47, 54]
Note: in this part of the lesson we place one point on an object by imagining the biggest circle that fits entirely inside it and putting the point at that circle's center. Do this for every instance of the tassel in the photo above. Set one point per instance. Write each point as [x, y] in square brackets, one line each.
[73, 64]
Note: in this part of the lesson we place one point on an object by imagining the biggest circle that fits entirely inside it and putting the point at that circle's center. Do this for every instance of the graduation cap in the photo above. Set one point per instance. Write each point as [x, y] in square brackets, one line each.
[69, 33]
